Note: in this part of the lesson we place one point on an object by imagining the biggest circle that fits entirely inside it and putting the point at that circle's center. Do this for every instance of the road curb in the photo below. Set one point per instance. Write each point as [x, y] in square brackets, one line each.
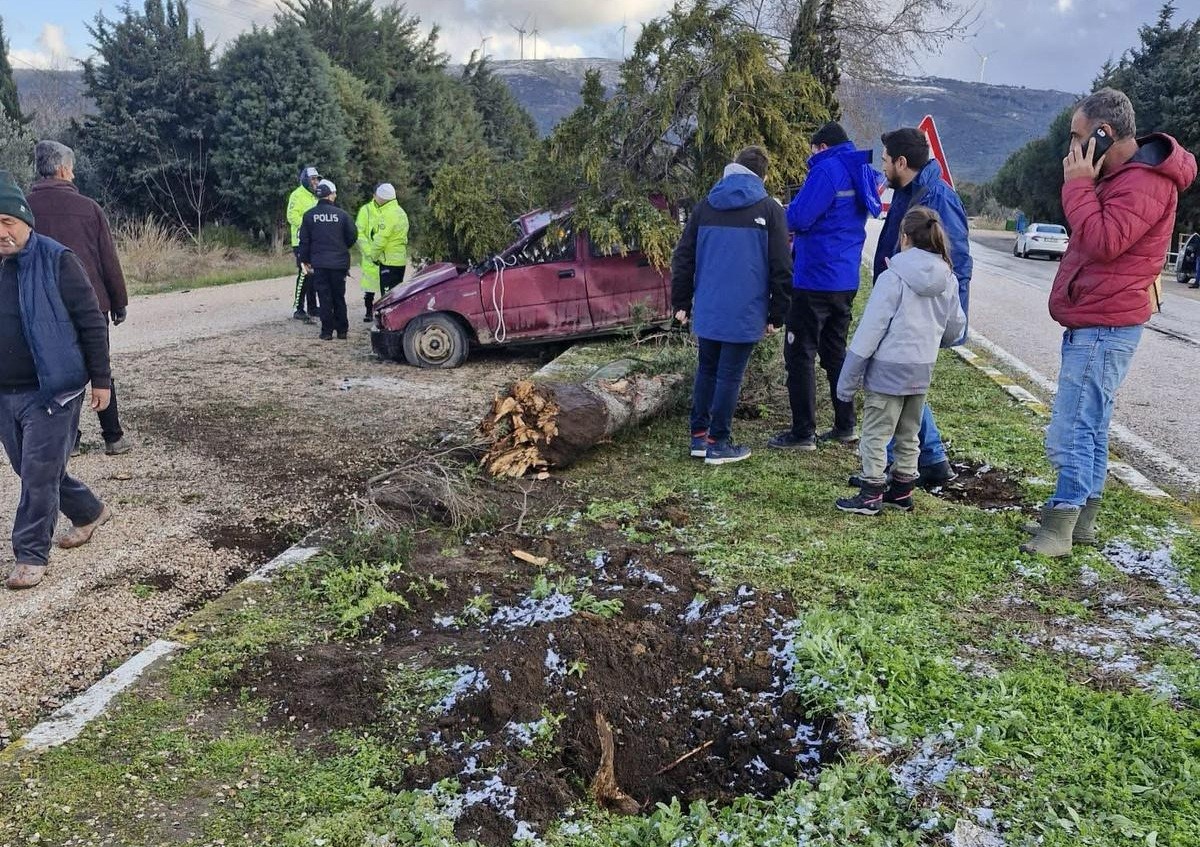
[1126, 473]
[67, 722]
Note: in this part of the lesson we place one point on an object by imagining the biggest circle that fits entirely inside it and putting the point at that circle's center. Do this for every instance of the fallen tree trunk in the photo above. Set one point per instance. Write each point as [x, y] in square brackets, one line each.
[550, 424]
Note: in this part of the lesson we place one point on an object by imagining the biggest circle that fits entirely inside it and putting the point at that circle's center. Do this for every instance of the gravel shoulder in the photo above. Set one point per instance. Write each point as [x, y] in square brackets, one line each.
[249, 432]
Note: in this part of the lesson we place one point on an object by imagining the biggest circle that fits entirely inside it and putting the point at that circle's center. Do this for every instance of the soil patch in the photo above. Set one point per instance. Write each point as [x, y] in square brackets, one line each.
[982, 486]
[259, 539]
[533, 654]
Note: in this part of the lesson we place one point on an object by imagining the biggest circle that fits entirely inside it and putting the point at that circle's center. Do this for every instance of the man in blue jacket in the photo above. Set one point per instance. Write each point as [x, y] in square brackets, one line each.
[828, 219]
[916, 178]
[729, 277]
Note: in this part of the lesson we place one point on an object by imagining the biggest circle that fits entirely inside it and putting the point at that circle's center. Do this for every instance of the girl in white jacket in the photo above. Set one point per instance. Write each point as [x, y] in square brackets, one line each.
[913, 311]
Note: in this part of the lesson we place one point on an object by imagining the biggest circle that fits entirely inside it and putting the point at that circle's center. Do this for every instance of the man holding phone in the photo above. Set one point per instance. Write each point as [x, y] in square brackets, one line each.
[1119, 194]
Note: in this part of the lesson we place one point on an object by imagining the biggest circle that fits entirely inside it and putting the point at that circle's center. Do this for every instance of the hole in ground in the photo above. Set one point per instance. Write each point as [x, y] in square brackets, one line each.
[982, 486]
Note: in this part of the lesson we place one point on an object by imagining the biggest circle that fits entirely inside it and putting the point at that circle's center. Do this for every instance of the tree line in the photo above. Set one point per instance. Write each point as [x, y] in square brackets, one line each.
[1161, 76]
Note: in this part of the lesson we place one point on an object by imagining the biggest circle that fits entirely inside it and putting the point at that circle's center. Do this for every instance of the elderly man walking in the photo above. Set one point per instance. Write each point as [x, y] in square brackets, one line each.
[79, 224]
[1120, 205]
[53, 342]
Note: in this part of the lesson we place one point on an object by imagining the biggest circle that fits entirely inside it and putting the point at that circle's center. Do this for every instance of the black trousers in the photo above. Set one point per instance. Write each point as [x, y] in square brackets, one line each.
[816, 326]
[330, 284]
[306, 294]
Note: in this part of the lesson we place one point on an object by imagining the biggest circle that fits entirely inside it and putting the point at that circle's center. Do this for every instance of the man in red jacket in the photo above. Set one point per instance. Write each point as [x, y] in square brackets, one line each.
[78, 223]
[1120, 207]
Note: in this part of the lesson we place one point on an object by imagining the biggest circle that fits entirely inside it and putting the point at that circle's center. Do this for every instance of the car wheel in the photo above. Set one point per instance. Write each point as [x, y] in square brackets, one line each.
[1025, 253]
[1014, 248]
[435, 341]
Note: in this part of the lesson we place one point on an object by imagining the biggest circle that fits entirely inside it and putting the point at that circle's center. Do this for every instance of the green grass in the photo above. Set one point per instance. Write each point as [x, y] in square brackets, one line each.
[264, 267]
[918, 629]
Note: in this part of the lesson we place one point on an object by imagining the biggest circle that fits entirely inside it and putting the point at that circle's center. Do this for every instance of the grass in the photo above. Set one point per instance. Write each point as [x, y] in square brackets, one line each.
[156, 261]
[920, 631]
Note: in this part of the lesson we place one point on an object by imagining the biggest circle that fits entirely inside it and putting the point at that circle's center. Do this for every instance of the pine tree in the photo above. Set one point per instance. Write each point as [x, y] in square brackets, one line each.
[372, 156]
[507, 128]
[10, 104]
[16, 150]
[277, 111]
[814, 48]
[150, 138]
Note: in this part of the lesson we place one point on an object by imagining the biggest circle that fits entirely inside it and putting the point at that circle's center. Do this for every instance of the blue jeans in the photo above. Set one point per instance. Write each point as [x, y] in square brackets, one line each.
[1094, 364]
[933, 451]
[718, 381]
[38, 437]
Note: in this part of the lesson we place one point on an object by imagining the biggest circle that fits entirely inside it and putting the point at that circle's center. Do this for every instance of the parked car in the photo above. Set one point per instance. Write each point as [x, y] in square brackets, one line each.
[552, 284]
[1048, 239]
[1185, 261]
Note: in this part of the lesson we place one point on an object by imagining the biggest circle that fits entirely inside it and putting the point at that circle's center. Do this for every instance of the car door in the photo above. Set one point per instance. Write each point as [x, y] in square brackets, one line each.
[541, 290]
[624, 290]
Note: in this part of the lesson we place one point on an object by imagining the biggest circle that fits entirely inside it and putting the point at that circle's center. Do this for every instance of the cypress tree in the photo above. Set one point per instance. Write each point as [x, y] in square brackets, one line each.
[10, 104]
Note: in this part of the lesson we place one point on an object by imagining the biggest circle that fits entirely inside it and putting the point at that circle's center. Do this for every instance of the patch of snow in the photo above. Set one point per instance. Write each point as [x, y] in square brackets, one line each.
[555, 666]
[530, 611]
[525, 733]
[444, 622]
[692, 613]
[493, 792]
[653, 607]
[931, 765]
[469, 680]
[1154, 565]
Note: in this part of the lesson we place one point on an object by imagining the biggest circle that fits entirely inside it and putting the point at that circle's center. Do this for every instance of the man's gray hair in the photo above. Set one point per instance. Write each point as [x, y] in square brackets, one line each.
[1112, 107]
[49, 156]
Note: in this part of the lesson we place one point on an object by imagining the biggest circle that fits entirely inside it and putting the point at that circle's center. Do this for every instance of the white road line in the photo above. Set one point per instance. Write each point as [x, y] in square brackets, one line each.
[1125, 438]
[66, 723]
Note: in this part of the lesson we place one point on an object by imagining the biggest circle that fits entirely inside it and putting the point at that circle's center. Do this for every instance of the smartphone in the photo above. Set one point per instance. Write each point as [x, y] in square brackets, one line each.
[1103, 142]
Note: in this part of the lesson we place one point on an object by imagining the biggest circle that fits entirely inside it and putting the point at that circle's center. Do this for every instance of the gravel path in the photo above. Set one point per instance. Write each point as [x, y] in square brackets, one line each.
[249, 432]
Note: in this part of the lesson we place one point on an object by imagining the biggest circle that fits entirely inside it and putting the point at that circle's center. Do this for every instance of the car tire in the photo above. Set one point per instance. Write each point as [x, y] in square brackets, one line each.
[436, 340]
[1025, 253]
[1014, 248]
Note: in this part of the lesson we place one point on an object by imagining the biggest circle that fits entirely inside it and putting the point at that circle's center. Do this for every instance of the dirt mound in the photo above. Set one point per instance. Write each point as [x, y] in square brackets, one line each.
[534, 655]
[982, 486]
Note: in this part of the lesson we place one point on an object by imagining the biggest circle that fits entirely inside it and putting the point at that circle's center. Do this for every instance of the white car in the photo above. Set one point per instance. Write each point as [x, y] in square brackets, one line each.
[1048, 239]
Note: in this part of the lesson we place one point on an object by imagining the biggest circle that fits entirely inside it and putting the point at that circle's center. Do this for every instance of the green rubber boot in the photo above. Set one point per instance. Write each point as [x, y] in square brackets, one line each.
[1085, 527]
[1054, 535]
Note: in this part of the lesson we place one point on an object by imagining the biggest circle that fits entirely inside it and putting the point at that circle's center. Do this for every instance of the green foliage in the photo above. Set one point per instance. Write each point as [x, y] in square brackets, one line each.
[373, 156]
[278, 111]
[150, 139]
[10, 104]
[508, 129]
[435, 118]
[16, 150]
[1161, 77]
[472, 205]
[1031, 180]
[814, 47]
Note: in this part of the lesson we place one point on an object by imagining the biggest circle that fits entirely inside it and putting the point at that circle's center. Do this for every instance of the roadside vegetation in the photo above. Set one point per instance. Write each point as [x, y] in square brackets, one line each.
[420, 684]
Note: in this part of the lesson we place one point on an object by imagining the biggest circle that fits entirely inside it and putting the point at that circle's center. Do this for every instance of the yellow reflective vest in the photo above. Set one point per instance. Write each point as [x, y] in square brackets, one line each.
[367, 220]
[389, 244]
[299, 202]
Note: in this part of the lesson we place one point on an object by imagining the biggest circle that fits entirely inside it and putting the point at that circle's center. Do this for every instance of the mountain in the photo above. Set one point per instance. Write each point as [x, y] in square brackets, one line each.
[980, 124]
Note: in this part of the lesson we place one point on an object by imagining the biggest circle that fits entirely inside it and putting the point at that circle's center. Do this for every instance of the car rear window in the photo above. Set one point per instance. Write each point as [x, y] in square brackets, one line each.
[1053, 229]
[556, 243]
[632, 244]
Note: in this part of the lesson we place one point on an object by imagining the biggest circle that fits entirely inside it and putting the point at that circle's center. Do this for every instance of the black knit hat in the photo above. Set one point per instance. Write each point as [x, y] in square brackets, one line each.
[12, 199]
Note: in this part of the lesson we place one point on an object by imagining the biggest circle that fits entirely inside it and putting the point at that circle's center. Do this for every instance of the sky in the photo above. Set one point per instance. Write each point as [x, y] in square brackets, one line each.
[1057, 44]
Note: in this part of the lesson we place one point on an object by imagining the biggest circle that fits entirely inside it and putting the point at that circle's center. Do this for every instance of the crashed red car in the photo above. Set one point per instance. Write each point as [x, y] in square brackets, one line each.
[552, 284]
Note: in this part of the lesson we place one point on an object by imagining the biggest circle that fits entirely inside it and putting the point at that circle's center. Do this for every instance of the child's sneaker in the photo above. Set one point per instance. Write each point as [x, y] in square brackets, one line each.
[899, 495]
[868, 501]
[699, 444]
[723, 453]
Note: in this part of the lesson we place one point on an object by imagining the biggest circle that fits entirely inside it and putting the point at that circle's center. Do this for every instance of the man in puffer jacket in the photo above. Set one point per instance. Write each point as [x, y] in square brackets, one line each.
[730, 278]
[1121, 211]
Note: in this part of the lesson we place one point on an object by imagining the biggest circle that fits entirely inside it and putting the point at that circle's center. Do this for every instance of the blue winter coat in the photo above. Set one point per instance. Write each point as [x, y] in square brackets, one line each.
[829, 216]
[931, 191]
[730, 270]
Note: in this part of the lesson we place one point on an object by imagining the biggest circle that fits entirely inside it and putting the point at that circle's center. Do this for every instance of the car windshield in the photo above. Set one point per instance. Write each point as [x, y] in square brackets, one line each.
[1053, 229]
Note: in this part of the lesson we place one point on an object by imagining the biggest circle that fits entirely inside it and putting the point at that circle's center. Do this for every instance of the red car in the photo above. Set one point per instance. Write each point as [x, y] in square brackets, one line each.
[552, 284]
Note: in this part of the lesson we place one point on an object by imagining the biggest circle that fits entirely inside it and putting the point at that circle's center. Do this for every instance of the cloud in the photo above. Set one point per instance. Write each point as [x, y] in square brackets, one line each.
[53, 51]
[1064, 6]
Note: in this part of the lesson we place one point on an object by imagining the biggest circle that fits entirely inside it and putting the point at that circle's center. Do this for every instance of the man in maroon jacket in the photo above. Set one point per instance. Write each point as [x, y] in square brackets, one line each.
[1120, 207]
[78, 223]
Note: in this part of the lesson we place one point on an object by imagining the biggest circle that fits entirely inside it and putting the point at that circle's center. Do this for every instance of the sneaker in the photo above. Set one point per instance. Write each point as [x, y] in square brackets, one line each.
[314, 315]
[868, 501]
[899, 495]
[325, 337]
[367, 319]
[118, 447]
[724, 453]
[786, 440]
[856, 480]
[77, 536]
[935, 476]
[850, 437]
[699, 445]
[300, 315]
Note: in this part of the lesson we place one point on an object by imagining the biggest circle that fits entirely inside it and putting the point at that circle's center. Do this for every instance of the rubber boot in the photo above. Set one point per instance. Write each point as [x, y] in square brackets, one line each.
[1032, 527]
[1085, 527]
[1054, 535]
[368, 302]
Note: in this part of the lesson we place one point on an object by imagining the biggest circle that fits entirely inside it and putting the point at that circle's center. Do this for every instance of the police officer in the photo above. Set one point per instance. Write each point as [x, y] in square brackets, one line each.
[302, 198]
[327, 233]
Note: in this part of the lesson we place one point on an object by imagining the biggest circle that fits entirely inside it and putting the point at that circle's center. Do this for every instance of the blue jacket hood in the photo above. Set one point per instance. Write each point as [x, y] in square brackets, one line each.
[864, 178]
[929, 175]
[737, 191]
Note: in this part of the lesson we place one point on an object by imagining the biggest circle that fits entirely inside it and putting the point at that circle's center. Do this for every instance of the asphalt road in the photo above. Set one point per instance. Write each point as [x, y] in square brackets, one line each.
[1157, 420]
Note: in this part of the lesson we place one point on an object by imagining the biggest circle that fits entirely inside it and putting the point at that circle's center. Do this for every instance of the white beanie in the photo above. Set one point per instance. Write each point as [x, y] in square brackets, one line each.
[386, 191]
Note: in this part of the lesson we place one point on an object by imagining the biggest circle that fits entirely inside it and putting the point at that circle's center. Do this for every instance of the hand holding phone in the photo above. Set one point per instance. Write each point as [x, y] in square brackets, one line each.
[1103, 141]
[1083, 160]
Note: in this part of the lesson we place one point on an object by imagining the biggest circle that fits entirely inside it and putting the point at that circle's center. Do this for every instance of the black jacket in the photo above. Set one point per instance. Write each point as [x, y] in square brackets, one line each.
[326, 235]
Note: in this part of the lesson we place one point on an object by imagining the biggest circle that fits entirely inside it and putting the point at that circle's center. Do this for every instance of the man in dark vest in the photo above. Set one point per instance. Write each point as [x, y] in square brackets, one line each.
[327, 233]
[53, 343]
[78, 223]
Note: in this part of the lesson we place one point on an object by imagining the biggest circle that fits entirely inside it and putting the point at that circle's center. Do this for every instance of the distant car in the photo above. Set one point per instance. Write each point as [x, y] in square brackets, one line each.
[552, 284]
[1050, 240]
[1185, 261]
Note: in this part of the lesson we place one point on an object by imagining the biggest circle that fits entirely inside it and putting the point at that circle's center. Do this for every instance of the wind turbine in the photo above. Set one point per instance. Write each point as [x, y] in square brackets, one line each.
[483, 40]
[624, 28]
[983, 57]
[535, 35]
[520, 31]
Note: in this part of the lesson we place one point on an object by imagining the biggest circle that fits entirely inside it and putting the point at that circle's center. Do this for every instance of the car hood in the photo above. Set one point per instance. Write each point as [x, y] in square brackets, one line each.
[425, 280]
